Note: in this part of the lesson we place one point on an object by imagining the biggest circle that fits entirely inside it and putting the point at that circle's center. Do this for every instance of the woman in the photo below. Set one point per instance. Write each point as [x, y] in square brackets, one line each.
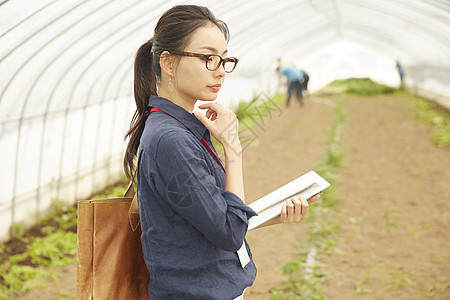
[192, 212]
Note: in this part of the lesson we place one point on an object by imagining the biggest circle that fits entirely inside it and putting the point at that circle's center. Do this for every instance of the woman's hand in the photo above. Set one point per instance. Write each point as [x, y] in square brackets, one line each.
[296, 209]
[222, 123]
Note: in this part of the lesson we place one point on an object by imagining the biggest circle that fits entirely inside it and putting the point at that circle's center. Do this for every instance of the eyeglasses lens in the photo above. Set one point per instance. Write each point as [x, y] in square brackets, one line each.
[213, 63]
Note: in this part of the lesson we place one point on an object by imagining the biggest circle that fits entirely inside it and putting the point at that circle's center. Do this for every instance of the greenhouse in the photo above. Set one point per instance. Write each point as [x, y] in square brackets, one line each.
[66, 82]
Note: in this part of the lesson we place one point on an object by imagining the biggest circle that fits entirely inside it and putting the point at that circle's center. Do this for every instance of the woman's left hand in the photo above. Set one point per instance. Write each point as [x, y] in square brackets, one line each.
[296, 209]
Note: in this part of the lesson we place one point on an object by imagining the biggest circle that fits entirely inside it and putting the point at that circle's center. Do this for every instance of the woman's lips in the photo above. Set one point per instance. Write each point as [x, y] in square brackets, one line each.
[215, 88]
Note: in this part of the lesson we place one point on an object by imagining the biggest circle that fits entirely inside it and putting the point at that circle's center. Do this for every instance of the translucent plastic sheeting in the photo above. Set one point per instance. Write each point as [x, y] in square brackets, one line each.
[66, 71]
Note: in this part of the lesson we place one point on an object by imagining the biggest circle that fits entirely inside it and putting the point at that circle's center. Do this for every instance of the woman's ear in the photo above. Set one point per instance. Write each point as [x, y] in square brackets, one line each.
[166, 62]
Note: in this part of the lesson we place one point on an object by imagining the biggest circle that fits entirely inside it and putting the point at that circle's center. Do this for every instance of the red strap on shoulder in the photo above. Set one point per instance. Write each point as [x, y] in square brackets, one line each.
[212, 152]
[155, 109]
[203, 140]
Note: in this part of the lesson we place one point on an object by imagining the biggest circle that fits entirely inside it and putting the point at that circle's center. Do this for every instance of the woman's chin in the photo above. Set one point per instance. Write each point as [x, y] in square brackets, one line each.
[210, 97]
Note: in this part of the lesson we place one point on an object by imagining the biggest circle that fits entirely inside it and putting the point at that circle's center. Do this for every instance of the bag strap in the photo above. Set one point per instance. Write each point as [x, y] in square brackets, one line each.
[133, 212]
[212, 153]
[130, 190]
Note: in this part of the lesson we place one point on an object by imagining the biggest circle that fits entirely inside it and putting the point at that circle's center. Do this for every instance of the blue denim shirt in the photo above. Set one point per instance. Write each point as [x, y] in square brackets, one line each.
[191, 227]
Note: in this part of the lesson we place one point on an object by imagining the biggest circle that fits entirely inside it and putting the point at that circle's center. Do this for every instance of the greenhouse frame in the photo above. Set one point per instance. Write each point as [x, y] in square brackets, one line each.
[66, 76]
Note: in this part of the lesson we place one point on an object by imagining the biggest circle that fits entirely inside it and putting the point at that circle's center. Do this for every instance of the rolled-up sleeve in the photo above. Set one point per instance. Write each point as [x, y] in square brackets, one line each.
[185, 181]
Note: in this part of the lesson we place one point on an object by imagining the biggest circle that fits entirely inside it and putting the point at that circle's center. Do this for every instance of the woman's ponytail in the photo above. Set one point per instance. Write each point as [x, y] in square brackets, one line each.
[144, 87]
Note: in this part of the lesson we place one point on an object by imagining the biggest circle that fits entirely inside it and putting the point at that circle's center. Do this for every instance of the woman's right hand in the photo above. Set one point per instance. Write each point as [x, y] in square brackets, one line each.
[222, 123]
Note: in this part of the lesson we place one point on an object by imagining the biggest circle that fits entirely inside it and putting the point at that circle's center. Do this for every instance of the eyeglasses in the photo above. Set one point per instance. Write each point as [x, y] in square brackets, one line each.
[213, 61]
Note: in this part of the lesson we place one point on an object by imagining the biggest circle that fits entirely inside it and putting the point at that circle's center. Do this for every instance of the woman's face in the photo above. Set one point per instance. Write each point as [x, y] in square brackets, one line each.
[192, 79]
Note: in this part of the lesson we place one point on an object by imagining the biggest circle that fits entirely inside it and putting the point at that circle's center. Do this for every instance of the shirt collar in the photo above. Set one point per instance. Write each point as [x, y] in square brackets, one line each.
[186, 118]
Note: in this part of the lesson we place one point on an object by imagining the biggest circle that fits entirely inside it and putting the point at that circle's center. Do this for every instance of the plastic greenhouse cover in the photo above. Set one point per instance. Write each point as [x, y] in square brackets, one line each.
[66, 75]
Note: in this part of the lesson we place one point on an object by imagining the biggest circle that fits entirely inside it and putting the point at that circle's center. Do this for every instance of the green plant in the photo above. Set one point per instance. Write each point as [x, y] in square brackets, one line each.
[385, 277]
[436, 289]
[393, 279]
[66, 295]
[434, 116]
[17, 230]
[15, 278]
[305, 282]
[240, 110]
[260, 105]
[442, 258]
[391, 217]
[358, 86]
[363, 279]
[251, 113]
[115, 190]
[56, 249]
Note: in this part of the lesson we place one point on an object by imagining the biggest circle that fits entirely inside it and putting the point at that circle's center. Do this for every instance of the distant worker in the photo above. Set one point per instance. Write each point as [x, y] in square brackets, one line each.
[401, 73]
[305, 80]
[294, 77]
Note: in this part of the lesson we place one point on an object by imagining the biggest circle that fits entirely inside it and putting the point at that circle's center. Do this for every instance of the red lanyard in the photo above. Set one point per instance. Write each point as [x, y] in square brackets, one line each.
[203, 140]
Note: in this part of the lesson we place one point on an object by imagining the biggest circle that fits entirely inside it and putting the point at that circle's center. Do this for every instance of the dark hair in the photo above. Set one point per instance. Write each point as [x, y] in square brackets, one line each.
[172, 33]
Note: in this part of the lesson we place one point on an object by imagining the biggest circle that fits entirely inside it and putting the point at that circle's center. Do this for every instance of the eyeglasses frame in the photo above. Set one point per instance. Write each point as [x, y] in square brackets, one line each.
[206, 58]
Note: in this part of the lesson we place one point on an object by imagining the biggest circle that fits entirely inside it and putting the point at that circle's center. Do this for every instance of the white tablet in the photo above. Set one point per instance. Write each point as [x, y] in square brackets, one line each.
[270, 205]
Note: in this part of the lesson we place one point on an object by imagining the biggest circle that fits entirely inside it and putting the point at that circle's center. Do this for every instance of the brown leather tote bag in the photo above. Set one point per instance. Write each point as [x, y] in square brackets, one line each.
[110, 263]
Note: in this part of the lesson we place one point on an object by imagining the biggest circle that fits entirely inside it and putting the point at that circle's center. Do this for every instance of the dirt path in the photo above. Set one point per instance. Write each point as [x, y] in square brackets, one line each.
[395, 211]
[292, 145]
